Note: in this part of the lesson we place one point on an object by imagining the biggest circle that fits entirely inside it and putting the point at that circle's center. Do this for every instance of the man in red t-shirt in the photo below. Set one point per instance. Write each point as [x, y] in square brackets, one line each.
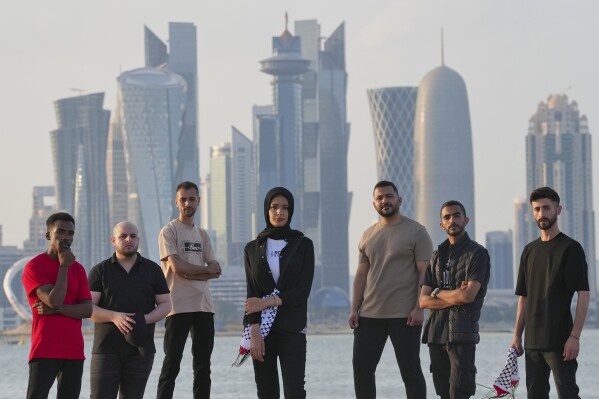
[58, 292]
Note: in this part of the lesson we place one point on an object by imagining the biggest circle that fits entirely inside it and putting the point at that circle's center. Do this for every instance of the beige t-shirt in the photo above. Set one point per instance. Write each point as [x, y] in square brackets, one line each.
[392, 281]
[192, 244]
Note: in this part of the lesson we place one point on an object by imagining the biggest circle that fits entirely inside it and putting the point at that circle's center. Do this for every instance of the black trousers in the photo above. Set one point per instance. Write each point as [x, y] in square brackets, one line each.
[43, 372]
[178, 327]
[290, 349]
[369, 341]
[454, 371]
[540, 364]
[110, 373]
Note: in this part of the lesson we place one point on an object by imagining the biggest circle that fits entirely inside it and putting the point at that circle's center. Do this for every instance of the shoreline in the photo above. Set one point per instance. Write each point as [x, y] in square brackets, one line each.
[22, 334]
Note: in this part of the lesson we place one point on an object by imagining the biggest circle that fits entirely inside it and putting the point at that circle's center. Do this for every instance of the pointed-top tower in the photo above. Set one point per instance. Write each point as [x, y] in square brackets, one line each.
[286, 66]
[443, 159]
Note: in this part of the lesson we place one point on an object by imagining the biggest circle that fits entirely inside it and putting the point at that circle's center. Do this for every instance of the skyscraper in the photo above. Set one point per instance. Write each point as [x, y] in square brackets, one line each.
[116, 171]
[43, 207]
[325, 145]
[392, 110]
[152, 107]
[499, 245]
[220, 199]
[303, 144]
[558, 155]
[443, 168]
[180, 58]
[286, 65]
[231, 187]
[79, 152]
[243, 189]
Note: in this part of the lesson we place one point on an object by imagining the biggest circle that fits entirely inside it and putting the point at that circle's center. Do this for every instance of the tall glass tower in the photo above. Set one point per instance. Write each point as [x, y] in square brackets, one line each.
[306, 139]
[286, 65]
[152, 107]
[558, 155]
[180, 57]
[392, 111]
[79, 152]
[444, 166]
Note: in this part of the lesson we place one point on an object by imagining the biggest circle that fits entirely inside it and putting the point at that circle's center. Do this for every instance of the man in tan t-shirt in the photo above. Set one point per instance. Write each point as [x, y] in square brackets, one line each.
[394, 255]
[188, 262]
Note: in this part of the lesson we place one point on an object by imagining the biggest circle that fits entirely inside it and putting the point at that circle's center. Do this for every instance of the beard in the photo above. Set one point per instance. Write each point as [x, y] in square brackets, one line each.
[390, 211]
[549, 222]
[456, 231]
[189, 212]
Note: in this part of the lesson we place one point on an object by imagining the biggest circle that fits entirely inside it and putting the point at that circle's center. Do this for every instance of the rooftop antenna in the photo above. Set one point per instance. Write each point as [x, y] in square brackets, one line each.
[79, 91]
[442, 49]
[286, 20]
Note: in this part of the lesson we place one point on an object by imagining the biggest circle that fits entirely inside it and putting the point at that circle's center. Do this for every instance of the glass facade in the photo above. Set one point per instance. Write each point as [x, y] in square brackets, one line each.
[443, 159]
[152, 106]
[79, 150]
[392, 110]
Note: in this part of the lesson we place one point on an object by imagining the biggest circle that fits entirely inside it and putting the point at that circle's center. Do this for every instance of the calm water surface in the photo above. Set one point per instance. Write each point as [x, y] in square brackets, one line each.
[328, 374]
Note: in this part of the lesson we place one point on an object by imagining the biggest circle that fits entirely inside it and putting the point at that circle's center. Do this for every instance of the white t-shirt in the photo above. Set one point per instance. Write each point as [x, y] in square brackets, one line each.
[273, 252]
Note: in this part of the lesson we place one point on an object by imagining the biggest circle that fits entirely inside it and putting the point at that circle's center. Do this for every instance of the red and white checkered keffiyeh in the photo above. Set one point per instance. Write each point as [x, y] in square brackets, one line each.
[268, 318]
[509, 378]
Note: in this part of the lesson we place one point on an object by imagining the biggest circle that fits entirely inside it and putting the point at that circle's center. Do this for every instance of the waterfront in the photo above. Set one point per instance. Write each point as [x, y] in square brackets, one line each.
[328, 374]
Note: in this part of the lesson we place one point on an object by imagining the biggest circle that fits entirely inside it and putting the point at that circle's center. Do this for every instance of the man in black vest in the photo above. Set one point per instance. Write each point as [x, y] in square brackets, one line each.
[454, 288]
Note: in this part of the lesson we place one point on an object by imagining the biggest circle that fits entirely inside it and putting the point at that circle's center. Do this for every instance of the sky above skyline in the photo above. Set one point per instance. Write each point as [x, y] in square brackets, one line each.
[511, 54]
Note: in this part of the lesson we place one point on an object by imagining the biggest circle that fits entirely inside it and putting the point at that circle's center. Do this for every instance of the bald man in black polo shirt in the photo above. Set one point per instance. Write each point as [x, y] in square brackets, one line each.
[125, 287]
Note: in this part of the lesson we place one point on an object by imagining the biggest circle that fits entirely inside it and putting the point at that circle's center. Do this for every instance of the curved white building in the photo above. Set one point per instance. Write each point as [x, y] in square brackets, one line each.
[152, 103]
[443, 161]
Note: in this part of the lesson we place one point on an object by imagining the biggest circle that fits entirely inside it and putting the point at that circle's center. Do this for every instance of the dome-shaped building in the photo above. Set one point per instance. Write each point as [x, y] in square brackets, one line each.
[444, 167]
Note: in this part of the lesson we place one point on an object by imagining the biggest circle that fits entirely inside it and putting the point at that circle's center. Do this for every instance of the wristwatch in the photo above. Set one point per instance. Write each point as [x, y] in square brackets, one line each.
[435, 292]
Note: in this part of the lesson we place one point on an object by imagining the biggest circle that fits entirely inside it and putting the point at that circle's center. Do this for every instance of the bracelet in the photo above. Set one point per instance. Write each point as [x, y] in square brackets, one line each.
[575, 337]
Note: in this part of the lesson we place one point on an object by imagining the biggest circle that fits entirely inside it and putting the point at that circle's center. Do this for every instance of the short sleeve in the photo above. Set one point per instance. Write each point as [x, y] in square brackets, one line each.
[160, 285]
[423, 244]
[33, 277]
[478, 269]
[521, 289]
[362, 257]
[208, 254]
[84, 293]
[576, 274]
[429, 280]
[167, 242]
[95, 279]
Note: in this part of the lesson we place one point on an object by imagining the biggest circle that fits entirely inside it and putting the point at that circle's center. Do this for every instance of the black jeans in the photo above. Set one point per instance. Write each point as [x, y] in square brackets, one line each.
[369, 341]
[43, 372]
[178, 327]
[111, 372]
[290, 349]
[540, 364]
[454, 372]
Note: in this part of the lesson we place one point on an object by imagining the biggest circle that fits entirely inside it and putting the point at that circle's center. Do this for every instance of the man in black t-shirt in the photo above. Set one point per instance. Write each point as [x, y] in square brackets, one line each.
[552, 268]
[129, 295]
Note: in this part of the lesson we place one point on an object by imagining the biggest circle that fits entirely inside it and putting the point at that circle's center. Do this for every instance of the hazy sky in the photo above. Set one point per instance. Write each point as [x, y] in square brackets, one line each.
[511, 54]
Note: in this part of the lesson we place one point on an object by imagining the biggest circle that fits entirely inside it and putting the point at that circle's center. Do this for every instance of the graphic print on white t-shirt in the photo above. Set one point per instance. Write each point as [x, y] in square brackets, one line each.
[273, 253]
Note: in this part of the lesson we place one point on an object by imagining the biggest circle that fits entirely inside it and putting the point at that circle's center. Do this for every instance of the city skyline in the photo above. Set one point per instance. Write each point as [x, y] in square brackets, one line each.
[504, 52]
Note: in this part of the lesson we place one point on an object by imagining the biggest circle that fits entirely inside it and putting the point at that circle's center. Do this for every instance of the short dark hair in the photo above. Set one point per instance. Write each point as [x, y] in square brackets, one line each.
[186, 185]
[544, 192]
[452, 203]
[58, 216]
[385, 183]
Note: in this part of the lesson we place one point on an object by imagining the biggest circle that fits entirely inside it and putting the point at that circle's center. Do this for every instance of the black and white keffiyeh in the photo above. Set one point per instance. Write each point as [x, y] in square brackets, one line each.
[268, 318]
